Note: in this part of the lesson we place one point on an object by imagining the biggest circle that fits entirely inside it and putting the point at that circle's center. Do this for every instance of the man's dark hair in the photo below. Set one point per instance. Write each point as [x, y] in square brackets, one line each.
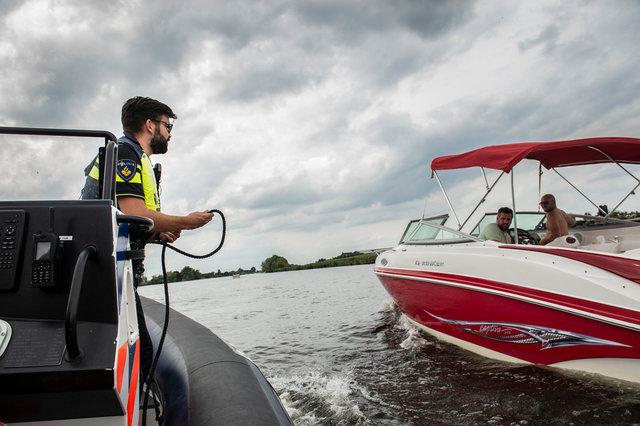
[505, 210]
[136, 111]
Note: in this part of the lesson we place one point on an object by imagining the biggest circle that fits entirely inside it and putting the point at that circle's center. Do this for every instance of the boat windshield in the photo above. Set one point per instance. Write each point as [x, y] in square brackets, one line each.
[432, 231]
[529, 221]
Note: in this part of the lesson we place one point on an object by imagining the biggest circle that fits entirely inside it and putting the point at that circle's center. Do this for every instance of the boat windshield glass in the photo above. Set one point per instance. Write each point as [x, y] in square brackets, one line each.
[431, 230]
[529, 221]
[416, 232]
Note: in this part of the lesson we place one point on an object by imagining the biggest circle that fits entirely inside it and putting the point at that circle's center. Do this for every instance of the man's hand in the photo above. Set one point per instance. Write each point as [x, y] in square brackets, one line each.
[163, 222]
[169, 236]
[197, 219]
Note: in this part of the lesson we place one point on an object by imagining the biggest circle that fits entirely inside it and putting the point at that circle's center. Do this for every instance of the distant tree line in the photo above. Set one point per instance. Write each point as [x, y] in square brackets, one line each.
[277, 263]
[274, 263]
[189, 274]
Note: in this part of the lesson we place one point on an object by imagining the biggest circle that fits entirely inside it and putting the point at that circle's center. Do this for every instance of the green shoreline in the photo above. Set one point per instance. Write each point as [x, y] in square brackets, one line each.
[361, 259]
[189, 274]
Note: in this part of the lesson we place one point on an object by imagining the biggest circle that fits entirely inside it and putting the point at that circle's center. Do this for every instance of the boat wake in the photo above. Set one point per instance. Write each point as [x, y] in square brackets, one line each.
[398, 330]
[356, 394]
[318, 398]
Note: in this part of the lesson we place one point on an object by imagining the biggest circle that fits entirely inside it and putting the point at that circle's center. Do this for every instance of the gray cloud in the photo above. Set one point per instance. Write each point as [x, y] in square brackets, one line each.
[548, 38]
[355, 19]
[127, 45]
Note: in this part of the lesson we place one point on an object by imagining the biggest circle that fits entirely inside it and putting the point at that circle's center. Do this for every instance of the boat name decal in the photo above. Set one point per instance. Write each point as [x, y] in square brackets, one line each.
[429, 263]
[524, 334]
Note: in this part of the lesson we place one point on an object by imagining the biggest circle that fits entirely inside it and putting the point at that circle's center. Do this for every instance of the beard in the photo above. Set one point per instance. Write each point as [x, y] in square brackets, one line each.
[159, 144]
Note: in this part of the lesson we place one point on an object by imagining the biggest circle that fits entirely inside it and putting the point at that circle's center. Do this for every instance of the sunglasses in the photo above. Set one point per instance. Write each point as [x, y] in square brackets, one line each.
[544, 203]
[169, 126]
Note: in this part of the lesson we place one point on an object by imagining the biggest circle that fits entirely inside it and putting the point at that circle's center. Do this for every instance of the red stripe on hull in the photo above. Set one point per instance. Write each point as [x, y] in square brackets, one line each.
[419, 299]
[608, 311]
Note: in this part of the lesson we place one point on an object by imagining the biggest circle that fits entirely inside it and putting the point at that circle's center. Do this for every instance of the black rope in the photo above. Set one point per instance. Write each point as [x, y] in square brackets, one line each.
[200, 256]
[165, 327]
[160, 344]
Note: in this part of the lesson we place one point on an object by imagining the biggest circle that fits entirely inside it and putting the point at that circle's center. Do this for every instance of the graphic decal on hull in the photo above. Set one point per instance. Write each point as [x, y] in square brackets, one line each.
[524, 334]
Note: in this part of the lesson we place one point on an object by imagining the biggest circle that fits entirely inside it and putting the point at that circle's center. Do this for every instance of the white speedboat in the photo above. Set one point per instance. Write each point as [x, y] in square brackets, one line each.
[574, 303]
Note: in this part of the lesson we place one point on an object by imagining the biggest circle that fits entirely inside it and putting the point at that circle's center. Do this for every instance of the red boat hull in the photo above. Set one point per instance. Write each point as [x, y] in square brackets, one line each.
[532, 326]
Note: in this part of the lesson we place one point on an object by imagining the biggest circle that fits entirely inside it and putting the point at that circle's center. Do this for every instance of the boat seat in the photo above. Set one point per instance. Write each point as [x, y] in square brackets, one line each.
[634, 254]
[602, 245]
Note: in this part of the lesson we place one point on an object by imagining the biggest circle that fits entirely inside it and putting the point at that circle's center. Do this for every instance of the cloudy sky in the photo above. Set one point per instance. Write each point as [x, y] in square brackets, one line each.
[311, 124]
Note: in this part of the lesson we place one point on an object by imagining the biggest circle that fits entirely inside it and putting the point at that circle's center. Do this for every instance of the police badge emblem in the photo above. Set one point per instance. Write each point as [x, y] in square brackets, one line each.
[126, 169]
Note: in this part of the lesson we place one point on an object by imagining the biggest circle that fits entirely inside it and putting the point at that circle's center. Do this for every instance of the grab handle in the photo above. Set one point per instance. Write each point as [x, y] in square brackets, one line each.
[144, 222]
[71, 318]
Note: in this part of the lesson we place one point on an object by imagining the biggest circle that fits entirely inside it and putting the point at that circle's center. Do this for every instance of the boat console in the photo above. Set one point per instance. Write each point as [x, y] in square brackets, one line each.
[60, 295]
[69, 342]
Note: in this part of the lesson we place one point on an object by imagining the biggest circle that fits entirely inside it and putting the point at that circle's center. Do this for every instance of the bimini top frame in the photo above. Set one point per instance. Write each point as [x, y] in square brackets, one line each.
[551, 155]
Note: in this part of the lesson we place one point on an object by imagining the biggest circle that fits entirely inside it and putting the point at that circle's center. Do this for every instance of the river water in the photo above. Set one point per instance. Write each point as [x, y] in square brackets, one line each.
[339, 352]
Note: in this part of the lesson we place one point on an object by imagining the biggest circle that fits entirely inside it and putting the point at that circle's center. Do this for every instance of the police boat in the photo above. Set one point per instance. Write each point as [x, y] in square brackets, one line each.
[69, 339]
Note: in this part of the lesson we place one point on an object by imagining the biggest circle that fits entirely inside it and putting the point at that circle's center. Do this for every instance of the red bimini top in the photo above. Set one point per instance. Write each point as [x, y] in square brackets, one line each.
[549, 154]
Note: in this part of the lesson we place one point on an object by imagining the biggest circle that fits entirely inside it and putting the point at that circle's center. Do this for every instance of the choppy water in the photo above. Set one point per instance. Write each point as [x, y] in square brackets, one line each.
[338, 352]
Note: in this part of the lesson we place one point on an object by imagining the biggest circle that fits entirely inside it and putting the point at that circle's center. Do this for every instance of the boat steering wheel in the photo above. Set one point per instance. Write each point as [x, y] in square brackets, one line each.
[525, 237]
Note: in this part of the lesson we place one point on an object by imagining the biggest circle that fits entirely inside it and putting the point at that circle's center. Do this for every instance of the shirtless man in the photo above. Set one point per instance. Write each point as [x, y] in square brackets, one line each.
[558, 222]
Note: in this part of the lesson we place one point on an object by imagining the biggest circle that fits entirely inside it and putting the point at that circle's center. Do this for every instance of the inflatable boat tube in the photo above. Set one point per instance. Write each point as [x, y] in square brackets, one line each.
[203, 380]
